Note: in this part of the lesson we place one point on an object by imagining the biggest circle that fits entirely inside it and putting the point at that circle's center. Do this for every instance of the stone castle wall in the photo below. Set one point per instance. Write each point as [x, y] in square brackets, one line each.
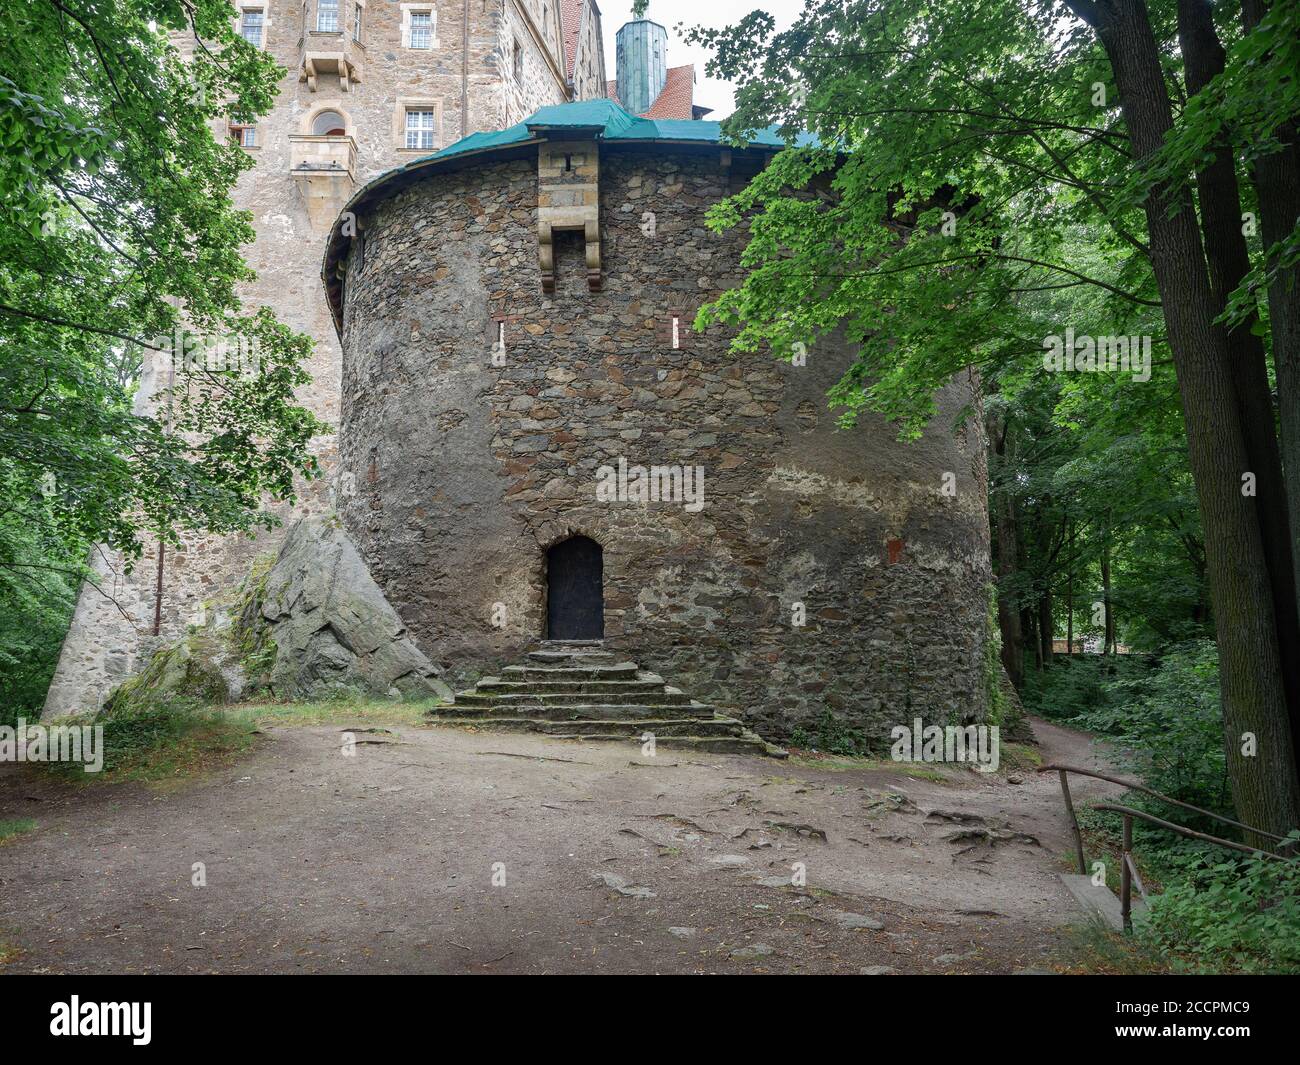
[111, 638]
[461, 472]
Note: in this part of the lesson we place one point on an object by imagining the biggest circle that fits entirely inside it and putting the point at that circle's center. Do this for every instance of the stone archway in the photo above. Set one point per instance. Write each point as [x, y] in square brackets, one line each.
[575, 600]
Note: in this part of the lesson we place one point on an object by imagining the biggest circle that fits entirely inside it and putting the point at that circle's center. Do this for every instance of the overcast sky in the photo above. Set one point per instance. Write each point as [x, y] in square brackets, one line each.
[668, 13]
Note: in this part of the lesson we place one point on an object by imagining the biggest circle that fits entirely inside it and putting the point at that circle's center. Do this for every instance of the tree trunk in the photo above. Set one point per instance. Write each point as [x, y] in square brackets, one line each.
[1277, 186]
[1069, 606]
[1105, 593]
[1265, 788]
[1046, 630]
[1229, 262]
[1006, 539]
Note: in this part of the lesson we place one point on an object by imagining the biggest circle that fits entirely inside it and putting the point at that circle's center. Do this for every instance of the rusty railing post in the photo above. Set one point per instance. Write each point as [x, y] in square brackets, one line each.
[1074, 823]
[1126, 876]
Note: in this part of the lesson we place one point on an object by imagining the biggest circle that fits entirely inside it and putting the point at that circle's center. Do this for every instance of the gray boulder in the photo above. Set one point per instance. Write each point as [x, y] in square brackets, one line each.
[332, 627]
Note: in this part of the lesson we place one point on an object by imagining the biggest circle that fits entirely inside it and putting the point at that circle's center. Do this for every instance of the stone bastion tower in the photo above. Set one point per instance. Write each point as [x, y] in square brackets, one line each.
[534, 444]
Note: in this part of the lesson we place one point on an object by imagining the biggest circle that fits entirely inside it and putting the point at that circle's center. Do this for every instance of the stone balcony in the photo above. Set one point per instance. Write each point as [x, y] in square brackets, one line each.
[330, 52]
[324, 169]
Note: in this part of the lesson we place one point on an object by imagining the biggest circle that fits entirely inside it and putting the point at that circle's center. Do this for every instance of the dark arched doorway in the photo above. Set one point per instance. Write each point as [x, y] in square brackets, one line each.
[575, 601]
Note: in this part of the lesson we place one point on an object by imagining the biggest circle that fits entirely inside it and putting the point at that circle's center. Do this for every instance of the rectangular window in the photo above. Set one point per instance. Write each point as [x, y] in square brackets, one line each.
[357, 12]
[421, 29]
[327, 16]
[518, 61]
[251, 22]
[244, 136]
[420, 129]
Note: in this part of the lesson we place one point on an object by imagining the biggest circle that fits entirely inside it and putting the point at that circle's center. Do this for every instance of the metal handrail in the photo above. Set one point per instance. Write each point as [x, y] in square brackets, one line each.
[1133, 785]
[1128, 868]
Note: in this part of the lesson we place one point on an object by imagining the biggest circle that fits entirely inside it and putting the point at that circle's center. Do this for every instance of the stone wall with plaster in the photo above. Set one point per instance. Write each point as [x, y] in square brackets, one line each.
[466, 459]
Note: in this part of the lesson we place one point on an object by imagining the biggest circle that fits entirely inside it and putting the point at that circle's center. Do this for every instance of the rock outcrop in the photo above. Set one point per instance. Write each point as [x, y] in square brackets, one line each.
[310, 624]
[332, 628]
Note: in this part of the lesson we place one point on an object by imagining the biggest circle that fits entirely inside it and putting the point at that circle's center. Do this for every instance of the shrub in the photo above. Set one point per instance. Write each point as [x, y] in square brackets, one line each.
[1168, 725]
[159, 741]
[832, 735]
[1233, 914]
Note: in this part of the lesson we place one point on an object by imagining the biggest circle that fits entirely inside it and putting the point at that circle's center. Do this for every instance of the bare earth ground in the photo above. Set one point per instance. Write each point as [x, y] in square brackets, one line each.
[384, 862]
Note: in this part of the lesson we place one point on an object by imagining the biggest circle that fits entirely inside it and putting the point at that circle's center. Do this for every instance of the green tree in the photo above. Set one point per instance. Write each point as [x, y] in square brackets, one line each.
[119, 236]
[962, 148]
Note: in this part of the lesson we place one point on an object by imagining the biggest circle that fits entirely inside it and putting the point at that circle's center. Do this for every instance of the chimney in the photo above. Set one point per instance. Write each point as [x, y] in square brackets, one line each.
[641, 64]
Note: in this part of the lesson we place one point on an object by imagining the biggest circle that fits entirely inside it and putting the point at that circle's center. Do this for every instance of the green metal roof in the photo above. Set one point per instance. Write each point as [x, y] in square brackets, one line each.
[603, 119]
[609, 122]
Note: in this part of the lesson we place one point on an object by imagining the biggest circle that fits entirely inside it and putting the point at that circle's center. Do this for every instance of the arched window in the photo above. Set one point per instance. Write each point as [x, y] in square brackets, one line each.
[575, 596]
[329, 124]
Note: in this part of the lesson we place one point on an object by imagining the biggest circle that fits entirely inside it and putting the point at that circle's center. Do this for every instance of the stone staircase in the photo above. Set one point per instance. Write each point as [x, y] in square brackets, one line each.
[577, 689]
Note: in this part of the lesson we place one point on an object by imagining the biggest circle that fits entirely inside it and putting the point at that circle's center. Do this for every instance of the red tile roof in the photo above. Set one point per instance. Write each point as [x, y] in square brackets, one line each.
[571, 23]
[678, 95]
[677, 100]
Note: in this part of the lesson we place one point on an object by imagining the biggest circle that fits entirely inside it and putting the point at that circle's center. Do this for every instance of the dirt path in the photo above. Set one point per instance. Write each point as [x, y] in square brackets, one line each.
[384, 862]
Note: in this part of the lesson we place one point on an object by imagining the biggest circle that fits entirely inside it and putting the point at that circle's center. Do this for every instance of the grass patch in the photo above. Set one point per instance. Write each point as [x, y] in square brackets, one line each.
[174, 742]
[15, 827]
[9, 953]
[1090, 950]
[341, 711]
[159, 745]
[845, 763]
[1019, 757]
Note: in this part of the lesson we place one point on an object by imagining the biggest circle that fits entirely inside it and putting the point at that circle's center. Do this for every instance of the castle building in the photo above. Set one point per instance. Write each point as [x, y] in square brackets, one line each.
[533, 442]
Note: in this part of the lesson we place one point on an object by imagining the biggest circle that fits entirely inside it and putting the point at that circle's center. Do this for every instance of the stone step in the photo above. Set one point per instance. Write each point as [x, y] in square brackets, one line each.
[657, 697]
[539, 687]
[1099, 904]
[660, 728]
[579, 656]
[744, 744]
[590, 711]
[617, 671]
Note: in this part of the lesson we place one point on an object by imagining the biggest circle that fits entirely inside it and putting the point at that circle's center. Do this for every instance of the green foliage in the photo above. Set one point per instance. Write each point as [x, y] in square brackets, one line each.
[1076, 684]
[1161, 712]
[116, 233]
[15, 827]
[831, 734]
[38, 590]
[1229, 915]
[157, 742]
[1168, 725]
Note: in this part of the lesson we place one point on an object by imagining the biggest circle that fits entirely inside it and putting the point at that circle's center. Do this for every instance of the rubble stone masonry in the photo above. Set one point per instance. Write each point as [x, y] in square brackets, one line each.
[465, 459]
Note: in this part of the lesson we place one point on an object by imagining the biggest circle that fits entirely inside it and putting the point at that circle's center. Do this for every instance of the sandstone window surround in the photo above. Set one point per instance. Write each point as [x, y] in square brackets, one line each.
[244, 134]
[328, 122]
[252, 22]
[327, 16]
[419, 26]
[417, 123]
